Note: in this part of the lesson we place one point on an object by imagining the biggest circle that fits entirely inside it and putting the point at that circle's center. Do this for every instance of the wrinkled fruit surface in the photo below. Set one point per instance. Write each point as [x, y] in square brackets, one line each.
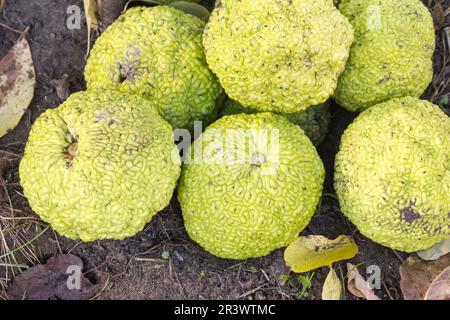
[253, 187]
[280, 56]
[392, 53]
[157, 53]
[392, 174]
[101, 165]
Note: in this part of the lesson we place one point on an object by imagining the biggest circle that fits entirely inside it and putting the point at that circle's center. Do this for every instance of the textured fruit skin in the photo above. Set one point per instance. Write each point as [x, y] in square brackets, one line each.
[279, 56]
[388, 60]
[99, 166]
[157, 53]
[314, 121]
[248, 209]
[392, 174]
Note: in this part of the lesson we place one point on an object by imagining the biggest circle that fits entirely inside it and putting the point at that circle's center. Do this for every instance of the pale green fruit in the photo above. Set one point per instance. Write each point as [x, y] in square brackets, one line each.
[252, 184]
[100, 165]
[278, 56]
[392, 174]
[391, 56]
[157, 53]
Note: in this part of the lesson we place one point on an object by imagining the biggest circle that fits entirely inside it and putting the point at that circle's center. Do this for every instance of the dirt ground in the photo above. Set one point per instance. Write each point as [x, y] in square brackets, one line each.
[134, 268]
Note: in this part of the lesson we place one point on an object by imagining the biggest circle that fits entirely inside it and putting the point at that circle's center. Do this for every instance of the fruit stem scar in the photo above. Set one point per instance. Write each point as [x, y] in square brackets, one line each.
[71, 152]
[258, 159]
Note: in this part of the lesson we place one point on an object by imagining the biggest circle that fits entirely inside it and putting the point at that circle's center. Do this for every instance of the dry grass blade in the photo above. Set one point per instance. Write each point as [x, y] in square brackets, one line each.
[18, 232]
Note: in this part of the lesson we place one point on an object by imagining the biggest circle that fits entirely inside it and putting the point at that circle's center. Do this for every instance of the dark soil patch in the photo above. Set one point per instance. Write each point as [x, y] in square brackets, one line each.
[134, 268]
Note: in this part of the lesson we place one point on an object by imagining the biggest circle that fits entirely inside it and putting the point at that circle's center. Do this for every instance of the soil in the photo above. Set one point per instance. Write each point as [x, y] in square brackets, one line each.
[134, 268]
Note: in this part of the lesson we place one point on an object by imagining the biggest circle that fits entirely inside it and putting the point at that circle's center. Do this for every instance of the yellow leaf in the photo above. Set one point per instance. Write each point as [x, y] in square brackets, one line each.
[90, 12]
[308, 253]
[332, 288]
[17, 80]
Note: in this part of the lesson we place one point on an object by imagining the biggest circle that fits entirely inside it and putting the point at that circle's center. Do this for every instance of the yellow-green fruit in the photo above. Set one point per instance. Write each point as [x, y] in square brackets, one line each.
[99, 166]
[314, 121]
[279, 56]
[251, 184]
[157, 53]
[392, 174]
[391, 54]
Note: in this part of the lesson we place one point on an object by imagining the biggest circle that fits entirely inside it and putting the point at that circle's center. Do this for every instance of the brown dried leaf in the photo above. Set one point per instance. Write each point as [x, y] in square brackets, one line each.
[49, 281]
[416, 275]
[17, 80]
[61, 86]
[357, 285]
[438, 15]
[440, 287]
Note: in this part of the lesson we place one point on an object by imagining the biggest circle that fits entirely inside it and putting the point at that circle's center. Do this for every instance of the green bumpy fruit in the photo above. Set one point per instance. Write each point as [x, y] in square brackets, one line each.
[100, 166]
[251, 184]
[278, 56]
[157, 53]
[392, 174]
[392, 53]
[314, 121]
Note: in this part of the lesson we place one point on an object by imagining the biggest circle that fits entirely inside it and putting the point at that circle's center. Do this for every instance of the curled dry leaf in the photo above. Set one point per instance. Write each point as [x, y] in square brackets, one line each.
[357, 285]
[416, 275]
[311, 252]
[440, 287]
[332, 288]
[51, 281]
[17, 80]
[436, 251]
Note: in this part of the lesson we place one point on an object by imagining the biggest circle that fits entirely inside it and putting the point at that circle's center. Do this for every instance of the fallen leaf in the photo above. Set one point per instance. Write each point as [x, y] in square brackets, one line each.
[438, 14]
[61, 86]
[90, 12]
[332, 289]
[311, 252]
[108, 11]
[357, 285]
[417, 275]
[17, 80]
[50, 281]
[436, 251]
[440, 287]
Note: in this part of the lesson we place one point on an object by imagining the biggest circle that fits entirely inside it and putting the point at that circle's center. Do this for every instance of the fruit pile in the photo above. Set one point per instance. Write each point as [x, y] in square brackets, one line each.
[259, 79]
